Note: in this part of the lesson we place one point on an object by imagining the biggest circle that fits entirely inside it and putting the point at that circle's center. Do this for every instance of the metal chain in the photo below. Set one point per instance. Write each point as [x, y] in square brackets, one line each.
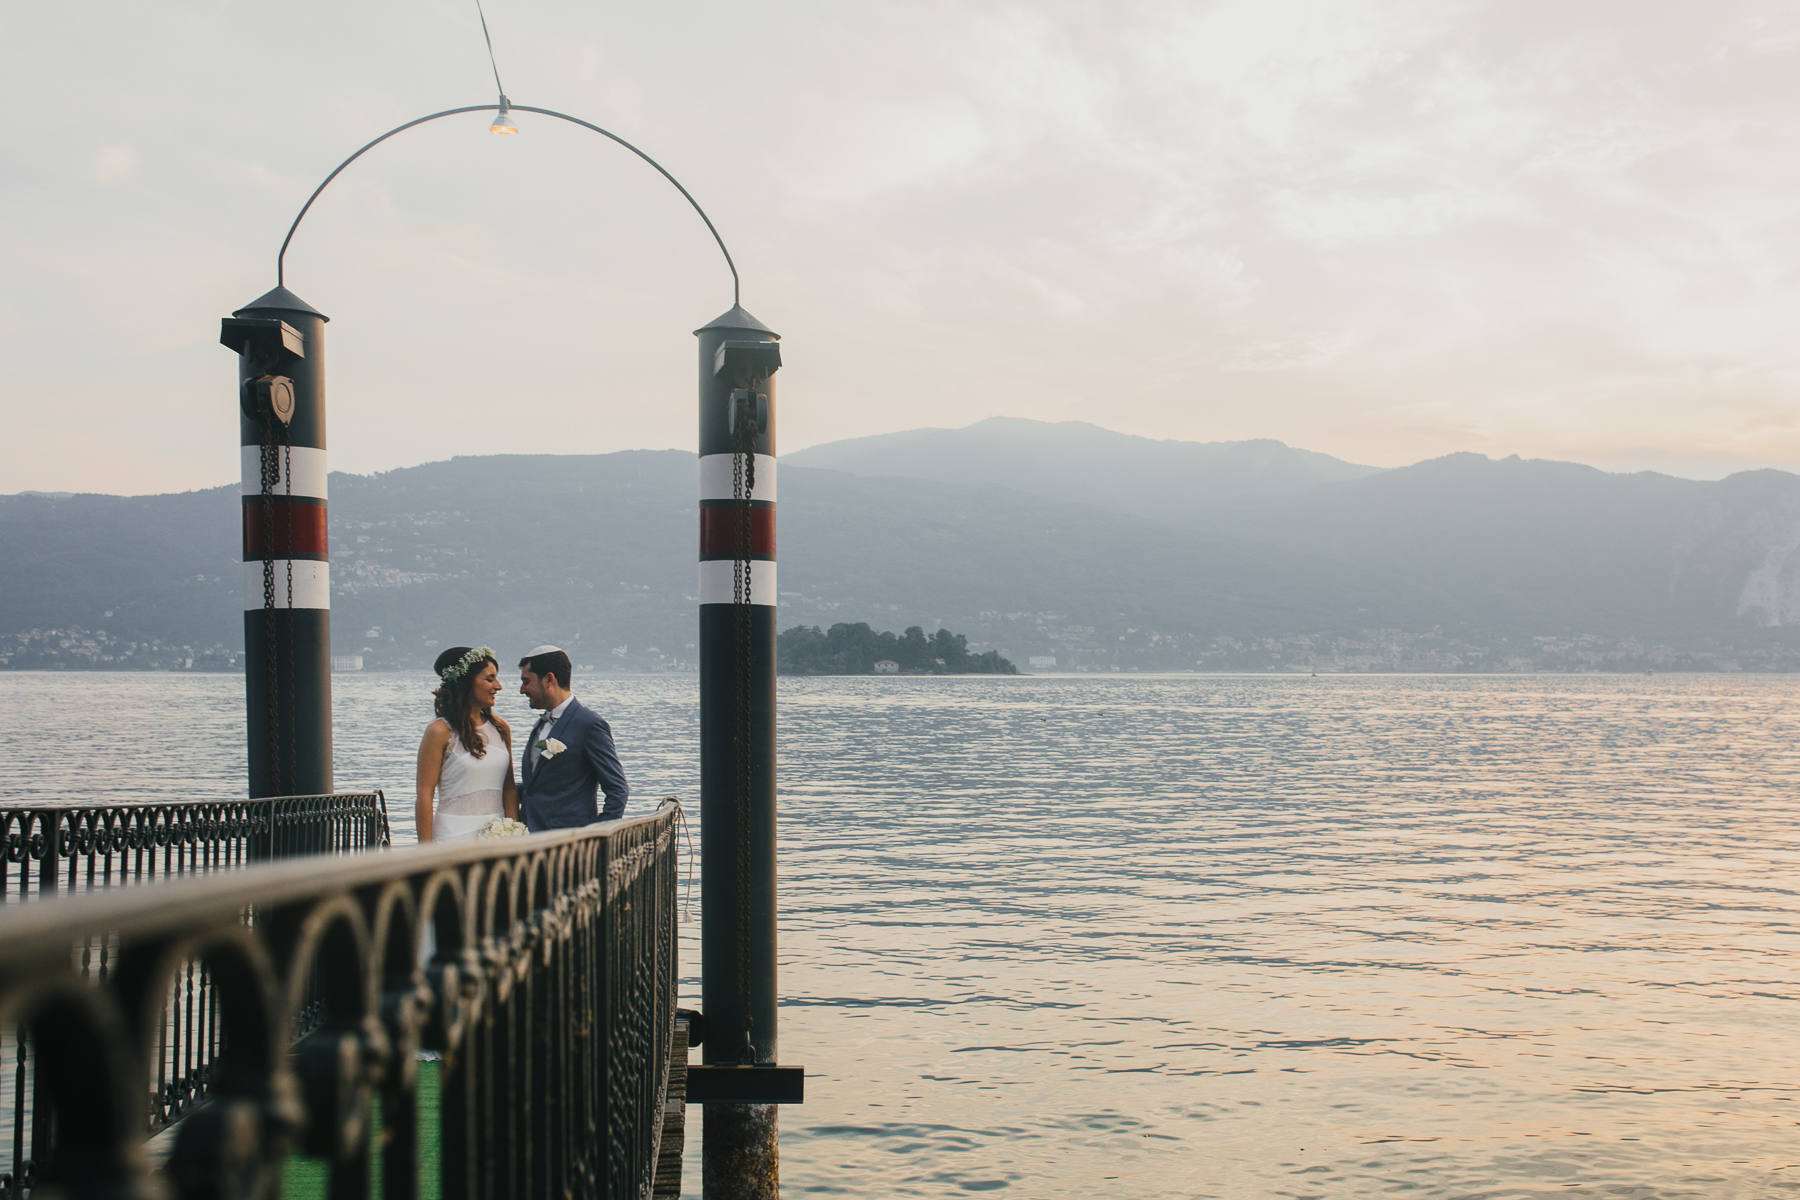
[293, 741]
[269, 470]
[743, 484]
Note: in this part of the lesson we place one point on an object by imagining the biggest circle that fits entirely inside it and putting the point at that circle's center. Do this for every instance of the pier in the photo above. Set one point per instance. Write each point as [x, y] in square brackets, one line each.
[275, 1011]
[266, 1025]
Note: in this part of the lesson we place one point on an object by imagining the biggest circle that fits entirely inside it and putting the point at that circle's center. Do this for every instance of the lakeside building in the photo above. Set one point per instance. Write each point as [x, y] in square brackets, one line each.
[887, 666]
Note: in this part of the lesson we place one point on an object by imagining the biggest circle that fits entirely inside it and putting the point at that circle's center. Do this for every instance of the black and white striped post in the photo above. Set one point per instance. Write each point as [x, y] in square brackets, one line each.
[739, 355]
[280, 340]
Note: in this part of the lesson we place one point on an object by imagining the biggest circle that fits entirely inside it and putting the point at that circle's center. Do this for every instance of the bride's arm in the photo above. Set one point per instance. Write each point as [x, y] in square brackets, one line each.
[509, 792]
[431, 765]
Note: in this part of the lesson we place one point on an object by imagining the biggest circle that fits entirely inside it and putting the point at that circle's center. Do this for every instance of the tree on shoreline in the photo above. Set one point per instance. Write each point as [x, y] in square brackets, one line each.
[847, 649]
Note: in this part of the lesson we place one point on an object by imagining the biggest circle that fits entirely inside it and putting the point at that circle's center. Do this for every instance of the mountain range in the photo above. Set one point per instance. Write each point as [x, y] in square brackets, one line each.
[1165, 481]
[1098, 549]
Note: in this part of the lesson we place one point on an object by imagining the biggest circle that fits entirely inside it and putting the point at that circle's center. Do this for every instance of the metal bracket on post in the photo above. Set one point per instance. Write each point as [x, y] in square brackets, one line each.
[758, 1083]
[748, 406]
[741, 363]
[746, 366]
[267, 341]
[270, 346]
[763, 1083]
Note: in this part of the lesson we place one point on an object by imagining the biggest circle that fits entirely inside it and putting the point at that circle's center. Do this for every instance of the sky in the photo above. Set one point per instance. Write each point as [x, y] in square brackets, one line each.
[1381, 229]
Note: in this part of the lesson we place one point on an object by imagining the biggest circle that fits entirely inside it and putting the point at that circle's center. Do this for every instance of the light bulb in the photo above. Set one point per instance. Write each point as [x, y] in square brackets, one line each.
[503, 123]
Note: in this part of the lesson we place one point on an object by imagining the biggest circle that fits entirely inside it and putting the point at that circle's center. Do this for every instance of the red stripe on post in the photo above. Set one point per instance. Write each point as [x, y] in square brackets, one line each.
[719, 531]
[308, 525]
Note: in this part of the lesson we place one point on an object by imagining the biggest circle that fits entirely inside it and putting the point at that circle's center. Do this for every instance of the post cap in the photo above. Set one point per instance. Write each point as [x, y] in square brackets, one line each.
[279, 299]
[737, 318]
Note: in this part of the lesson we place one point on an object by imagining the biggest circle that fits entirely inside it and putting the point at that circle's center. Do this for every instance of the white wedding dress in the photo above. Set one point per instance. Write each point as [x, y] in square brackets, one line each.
[470, 790]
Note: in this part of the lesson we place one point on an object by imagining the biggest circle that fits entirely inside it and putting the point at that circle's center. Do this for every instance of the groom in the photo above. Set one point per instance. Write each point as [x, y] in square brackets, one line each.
[569, 755]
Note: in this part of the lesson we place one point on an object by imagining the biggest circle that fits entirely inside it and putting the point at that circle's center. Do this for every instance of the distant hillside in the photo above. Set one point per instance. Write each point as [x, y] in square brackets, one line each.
[144, 567]
[1558, 547]
[1168, 481]
[1457, 563]
[602, 559]
[1491, 549]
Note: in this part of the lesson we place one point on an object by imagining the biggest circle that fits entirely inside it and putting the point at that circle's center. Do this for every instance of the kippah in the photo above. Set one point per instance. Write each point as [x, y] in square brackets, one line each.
[543, 650]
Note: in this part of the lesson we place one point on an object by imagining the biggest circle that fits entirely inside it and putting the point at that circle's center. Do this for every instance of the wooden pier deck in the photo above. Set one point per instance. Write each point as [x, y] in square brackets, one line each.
[305, 1178]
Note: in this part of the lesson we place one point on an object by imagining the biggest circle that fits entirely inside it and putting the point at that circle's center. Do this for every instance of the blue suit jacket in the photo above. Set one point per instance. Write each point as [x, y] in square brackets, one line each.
[560, 792]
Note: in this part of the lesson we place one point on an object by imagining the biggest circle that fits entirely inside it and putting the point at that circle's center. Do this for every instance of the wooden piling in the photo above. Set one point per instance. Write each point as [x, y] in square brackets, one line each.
[674, 1119]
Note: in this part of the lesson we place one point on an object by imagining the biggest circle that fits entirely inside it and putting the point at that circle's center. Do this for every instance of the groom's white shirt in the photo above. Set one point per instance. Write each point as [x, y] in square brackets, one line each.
[543, 725]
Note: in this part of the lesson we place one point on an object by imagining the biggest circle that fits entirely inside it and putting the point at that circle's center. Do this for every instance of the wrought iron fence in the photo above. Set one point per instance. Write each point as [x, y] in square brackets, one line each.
[79, 847]
[542, 969]
[50, 849]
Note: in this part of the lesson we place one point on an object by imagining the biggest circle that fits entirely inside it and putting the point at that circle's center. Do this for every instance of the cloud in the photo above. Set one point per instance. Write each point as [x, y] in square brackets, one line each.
[1289, 356]
[1386, 229]
[1338, 218]
[113, 164]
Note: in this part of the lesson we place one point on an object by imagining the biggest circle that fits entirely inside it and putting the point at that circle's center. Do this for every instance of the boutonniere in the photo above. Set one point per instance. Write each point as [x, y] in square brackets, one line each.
[551, 748]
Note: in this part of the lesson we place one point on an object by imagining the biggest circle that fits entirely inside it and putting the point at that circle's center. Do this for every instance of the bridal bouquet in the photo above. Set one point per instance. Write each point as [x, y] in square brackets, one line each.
[502, 827]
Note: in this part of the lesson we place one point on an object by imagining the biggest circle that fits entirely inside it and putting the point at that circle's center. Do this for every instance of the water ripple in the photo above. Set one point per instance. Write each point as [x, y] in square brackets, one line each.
[1444, 937]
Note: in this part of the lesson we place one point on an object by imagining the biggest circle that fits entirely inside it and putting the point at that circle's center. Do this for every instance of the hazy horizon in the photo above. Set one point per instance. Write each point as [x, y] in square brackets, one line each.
[887, 433]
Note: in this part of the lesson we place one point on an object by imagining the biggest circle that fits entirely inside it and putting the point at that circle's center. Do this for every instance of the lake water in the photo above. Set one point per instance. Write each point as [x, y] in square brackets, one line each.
[1205, 936]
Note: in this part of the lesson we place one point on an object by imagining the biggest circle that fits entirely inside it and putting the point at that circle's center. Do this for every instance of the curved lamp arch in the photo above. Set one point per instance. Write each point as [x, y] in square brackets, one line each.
[281, 257]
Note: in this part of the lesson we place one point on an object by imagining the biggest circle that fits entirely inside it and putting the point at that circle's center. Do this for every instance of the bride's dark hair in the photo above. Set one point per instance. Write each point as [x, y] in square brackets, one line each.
[455, 698]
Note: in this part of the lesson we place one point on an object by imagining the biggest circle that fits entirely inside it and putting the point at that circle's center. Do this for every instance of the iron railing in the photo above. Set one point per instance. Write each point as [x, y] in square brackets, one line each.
[51, 848]
[542, 969]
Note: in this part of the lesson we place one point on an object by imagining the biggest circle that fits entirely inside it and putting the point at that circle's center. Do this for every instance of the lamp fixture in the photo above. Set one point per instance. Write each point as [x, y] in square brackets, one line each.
[503, 122]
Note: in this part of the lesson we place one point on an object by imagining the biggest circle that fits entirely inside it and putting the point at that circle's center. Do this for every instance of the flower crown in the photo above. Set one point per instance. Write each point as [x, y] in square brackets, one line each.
[457, 669]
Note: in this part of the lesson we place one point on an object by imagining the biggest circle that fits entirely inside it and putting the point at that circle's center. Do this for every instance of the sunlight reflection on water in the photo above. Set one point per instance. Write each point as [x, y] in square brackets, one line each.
[1214, 936]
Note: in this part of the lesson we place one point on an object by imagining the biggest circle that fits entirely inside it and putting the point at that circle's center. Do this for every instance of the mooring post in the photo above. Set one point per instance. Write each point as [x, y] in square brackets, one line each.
[280, 340]
[740, 1152]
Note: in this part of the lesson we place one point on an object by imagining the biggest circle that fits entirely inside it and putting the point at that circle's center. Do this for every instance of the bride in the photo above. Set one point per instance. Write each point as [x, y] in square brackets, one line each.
[465, 757]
